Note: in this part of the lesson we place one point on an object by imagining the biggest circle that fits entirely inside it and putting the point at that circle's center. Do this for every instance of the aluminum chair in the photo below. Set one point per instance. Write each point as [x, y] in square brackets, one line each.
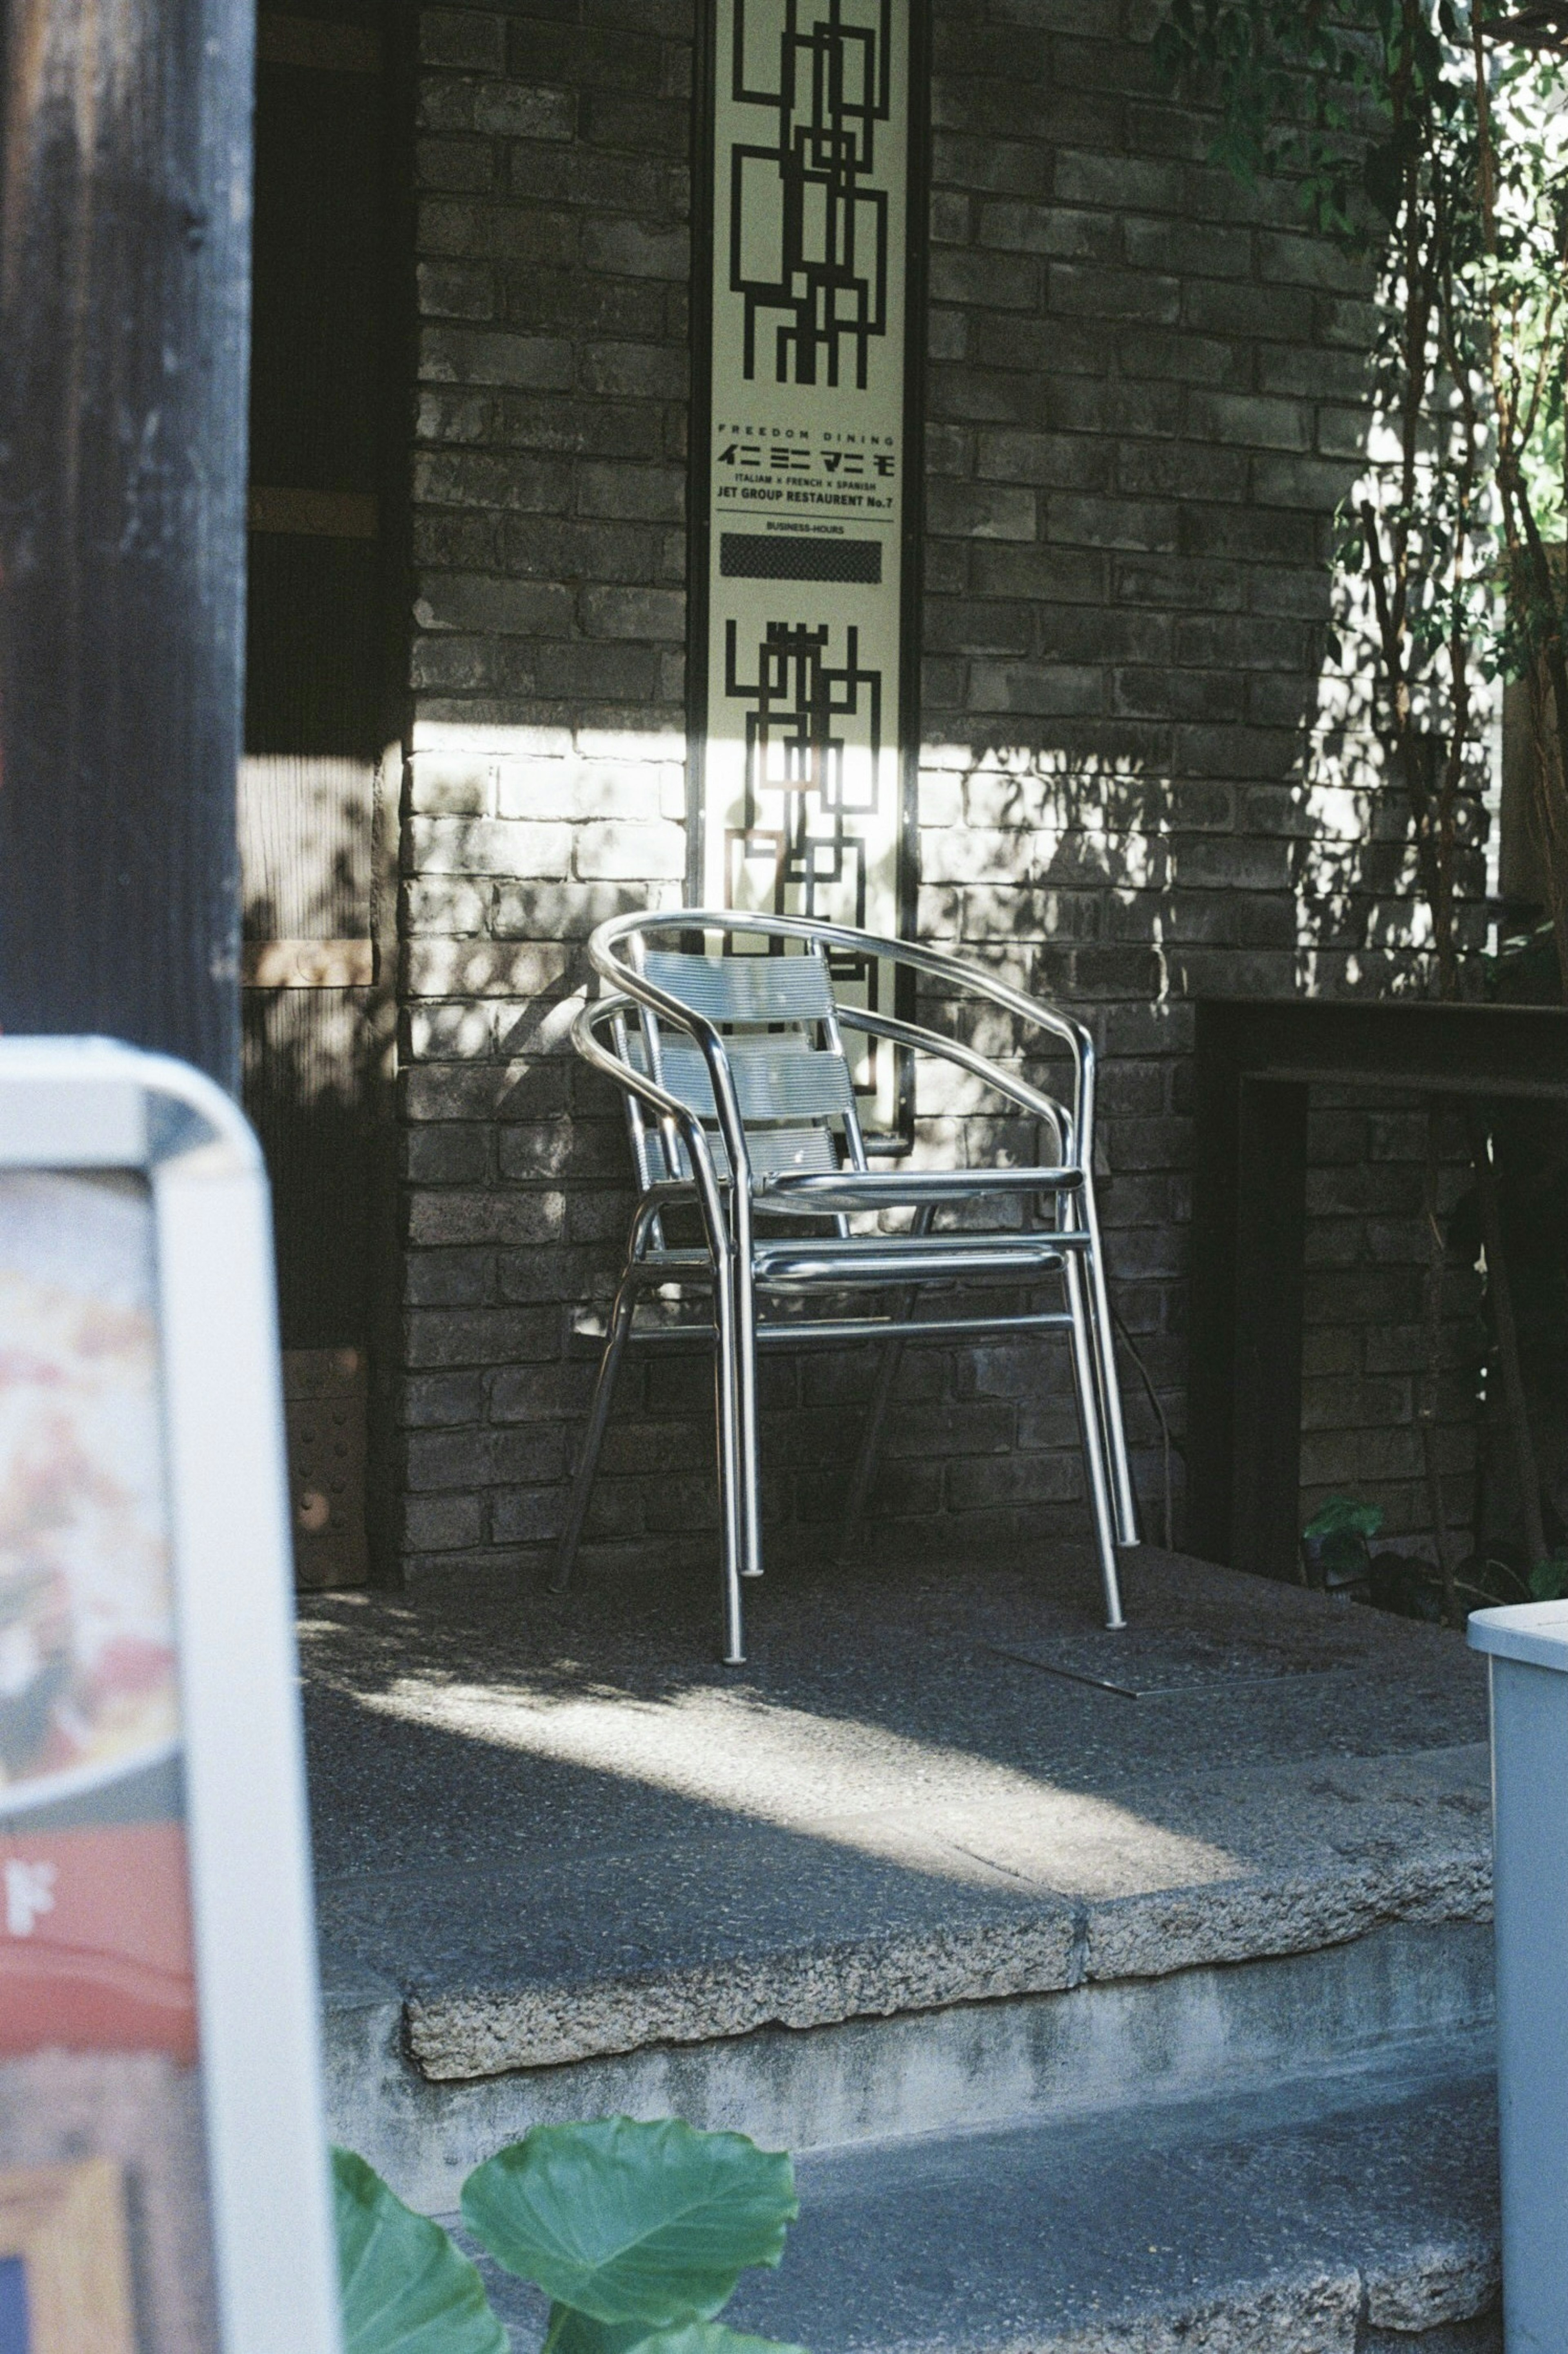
[742, 1109]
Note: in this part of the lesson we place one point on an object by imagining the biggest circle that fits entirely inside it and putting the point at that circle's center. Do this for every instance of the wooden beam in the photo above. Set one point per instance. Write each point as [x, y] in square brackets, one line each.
[316, 44]
[316, 514]
[1256, 1060]
[1268, 1299]
[124, 294]
[308, 964]
[1211, 1359]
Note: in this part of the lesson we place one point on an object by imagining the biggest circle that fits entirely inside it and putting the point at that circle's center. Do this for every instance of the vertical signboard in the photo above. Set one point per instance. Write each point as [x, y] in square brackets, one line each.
[162, 2164]
[806, 471]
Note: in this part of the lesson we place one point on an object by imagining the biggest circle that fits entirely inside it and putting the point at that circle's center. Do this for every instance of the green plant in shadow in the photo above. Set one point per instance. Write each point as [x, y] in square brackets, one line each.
[1335, 1541]
[1427, 138]
[637, 2233]
[1549, 1579]
[405, 2288]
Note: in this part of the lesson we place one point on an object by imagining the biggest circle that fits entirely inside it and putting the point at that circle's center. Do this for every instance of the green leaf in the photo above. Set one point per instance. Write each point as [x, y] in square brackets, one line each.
[1344, 1550]
[1342, 1514]
[1548, 1579]
[647, 2224]
[576, 2333]
[405, 2288]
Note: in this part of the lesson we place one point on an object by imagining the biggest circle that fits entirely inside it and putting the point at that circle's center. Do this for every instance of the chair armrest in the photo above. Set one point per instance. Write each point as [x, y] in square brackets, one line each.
[904, 1189]
[920, 1039]
[658, 1100]
[634, 988]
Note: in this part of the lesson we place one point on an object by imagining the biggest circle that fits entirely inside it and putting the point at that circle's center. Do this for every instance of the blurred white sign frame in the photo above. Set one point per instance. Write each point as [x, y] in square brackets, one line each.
[93, 1105]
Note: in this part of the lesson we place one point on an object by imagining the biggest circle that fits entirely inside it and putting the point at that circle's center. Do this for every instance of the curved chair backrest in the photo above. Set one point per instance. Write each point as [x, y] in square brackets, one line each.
[780, 1028]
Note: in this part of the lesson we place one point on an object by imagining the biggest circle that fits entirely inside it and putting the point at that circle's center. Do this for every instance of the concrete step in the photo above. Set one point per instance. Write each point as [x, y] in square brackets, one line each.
[1351, 2212]
[960, 1880]
[1008, 2061]
[949, 1855]
[1113, 1991]
[926, 1791]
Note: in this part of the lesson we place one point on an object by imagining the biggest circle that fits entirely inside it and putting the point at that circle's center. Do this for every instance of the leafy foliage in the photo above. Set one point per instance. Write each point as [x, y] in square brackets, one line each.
[1549, 1579]
[1334, 99]
[405, 2288]
[1335, 1540]
[1342, 1515]
[637, 2232]
[1424, 136]
[646, 2223]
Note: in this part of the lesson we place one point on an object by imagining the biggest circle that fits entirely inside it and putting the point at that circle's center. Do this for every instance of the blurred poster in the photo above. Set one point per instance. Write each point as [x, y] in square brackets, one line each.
[104, 2233]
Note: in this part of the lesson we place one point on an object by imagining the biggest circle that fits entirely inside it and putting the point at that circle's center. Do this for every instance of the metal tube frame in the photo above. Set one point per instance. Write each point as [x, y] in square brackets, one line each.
[738, 1267]
[849, 1332]
[593, 1438]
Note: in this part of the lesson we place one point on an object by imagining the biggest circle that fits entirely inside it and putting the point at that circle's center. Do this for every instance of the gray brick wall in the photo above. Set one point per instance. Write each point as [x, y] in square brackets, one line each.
[1143, 783]
[546, 786]
[1144, 401]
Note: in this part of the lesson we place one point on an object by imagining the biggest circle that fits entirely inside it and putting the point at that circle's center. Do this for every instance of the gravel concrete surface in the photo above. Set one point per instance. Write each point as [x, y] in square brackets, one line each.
[1355, 2214]
[557, 1828]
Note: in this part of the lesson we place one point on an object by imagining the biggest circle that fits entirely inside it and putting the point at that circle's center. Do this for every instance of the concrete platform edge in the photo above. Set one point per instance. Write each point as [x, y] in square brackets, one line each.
[973, 2065]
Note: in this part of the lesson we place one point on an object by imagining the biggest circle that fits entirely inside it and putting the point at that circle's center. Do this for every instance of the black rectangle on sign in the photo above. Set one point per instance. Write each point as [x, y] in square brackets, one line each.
[748, 555]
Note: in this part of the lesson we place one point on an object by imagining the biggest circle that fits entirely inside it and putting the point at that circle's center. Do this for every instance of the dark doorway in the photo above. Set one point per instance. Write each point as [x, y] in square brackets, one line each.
[323, 728]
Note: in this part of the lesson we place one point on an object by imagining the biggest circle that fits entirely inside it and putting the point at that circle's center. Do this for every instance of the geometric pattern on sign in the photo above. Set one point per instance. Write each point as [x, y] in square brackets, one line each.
[802, 209]
[795, 757]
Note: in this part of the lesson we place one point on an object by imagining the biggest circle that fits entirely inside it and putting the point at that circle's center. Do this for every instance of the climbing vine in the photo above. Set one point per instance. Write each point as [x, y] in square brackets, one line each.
[1431, 138]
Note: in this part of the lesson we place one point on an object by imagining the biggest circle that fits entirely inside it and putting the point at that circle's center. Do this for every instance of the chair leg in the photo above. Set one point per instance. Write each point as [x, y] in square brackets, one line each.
[876, 1412]
[748, 1450]
[1103, 1332]
[593, 1438]
[870, 1441]
[1087, 1385]
[731, 1487]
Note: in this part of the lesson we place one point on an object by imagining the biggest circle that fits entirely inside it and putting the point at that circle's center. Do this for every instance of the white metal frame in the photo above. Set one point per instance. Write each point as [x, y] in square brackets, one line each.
[715, 1167]
[78, 1104]
[1527, 1648]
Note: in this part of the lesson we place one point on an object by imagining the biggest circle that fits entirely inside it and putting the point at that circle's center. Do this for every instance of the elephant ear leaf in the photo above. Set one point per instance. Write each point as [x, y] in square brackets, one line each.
[632, 2223]
[574, 2333]
[405, 2288]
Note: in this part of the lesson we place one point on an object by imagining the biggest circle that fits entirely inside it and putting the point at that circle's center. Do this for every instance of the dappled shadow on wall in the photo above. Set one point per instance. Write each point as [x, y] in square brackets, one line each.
[306, 819]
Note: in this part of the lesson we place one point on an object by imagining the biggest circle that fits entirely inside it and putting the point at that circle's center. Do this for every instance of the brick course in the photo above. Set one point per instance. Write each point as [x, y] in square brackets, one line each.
[1144, 396]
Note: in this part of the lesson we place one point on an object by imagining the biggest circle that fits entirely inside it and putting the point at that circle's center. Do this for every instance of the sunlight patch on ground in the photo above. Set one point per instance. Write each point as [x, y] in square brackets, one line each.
[924, 1804]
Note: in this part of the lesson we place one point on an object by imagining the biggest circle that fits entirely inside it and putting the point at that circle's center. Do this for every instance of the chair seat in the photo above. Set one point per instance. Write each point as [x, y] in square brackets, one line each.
[846, 1261]
[906, 1258]
[902, 1189]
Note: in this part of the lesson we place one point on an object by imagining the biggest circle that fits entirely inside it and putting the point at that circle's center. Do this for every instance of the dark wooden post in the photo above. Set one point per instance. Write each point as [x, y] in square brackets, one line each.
[124, 296]
[1271, 1238]
[1255, 1064]
[1249, 1231]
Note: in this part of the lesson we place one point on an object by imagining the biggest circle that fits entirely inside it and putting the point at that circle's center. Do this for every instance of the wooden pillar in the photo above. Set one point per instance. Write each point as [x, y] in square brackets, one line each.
[1211, 1378]
[1249, 1235]
[1271, 1241]
[125, 288]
